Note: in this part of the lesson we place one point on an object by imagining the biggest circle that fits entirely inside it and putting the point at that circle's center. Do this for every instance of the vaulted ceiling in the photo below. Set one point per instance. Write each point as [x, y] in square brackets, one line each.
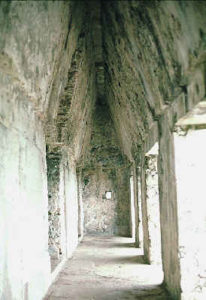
[130, 59]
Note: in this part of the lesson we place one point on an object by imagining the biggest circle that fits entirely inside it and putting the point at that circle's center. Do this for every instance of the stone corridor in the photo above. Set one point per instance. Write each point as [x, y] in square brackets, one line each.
[102, 149]
[108, 268]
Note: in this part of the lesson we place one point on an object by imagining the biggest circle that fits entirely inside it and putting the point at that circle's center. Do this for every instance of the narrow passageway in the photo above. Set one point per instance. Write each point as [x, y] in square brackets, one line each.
[107, 268]
[102, 139]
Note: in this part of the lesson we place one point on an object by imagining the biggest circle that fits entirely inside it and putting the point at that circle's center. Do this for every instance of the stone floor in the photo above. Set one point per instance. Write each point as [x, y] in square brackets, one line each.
[107, 268]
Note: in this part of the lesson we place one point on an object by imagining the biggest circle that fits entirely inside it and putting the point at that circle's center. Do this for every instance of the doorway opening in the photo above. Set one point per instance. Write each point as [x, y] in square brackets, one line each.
[190, 166]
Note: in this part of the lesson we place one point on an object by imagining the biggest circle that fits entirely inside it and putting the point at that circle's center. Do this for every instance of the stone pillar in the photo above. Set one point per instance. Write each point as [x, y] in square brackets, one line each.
[153, 210]
[62, 205]
[168, 207]
[136, 206]
[80, 205]
[190, 158]
[139, 200]
[132, 208]
[144, 212]
[71, 205]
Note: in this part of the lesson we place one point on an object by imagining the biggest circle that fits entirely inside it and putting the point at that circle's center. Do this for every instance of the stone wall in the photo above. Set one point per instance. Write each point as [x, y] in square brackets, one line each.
[33, 35]
[54, 211]
[105, 169]
[40, 51]
[102, 215]
[99, 212]
[143, 63]
[24, 260]
[68, 128]
[32, 40]
[150, 49]
[123, 204]
[154, 72]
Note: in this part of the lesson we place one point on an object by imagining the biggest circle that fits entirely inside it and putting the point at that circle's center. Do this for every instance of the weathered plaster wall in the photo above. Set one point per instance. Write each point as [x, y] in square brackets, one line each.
[145, 60]
[105, 169]
[69, 121]
[150, 48]
[123, 204]
[71, 199]
[99, 212]
[40, 44]
[107, 216]
[54, 211]
[73, 92]
[33, 34]
[154, 71]
[24, 260]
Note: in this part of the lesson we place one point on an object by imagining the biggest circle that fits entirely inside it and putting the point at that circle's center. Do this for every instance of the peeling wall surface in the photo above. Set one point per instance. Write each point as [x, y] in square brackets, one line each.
[102, 215]
[154, 71]
[150, 48]
[105, 170]
[54, 210]
[24, 260]
[86, 89]
[37, 46]
[32, 37]
[99, 212]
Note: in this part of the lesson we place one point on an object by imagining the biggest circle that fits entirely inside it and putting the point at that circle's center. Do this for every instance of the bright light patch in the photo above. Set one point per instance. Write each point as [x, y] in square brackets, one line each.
[190, 165]
[108, 195]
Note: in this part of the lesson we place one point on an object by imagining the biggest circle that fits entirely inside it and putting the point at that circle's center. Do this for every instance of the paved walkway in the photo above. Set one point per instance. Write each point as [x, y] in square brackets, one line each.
[107, 268]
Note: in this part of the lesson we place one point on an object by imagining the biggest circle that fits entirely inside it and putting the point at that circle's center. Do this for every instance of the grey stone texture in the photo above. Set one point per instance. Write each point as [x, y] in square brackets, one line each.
[101, 269]
[105, 169]
[86, 89]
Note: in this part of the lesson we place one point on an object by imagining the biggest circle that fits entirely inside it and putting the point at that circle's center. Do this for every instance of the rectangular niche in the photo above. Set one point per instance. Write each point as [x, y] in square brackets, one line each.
[108, 195]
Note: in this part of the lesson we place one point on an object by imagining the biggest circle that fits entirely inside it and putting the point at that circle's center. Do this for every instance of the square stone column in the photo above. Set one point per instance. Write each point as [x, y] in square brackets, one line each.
[168, 207]
[153, 209]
